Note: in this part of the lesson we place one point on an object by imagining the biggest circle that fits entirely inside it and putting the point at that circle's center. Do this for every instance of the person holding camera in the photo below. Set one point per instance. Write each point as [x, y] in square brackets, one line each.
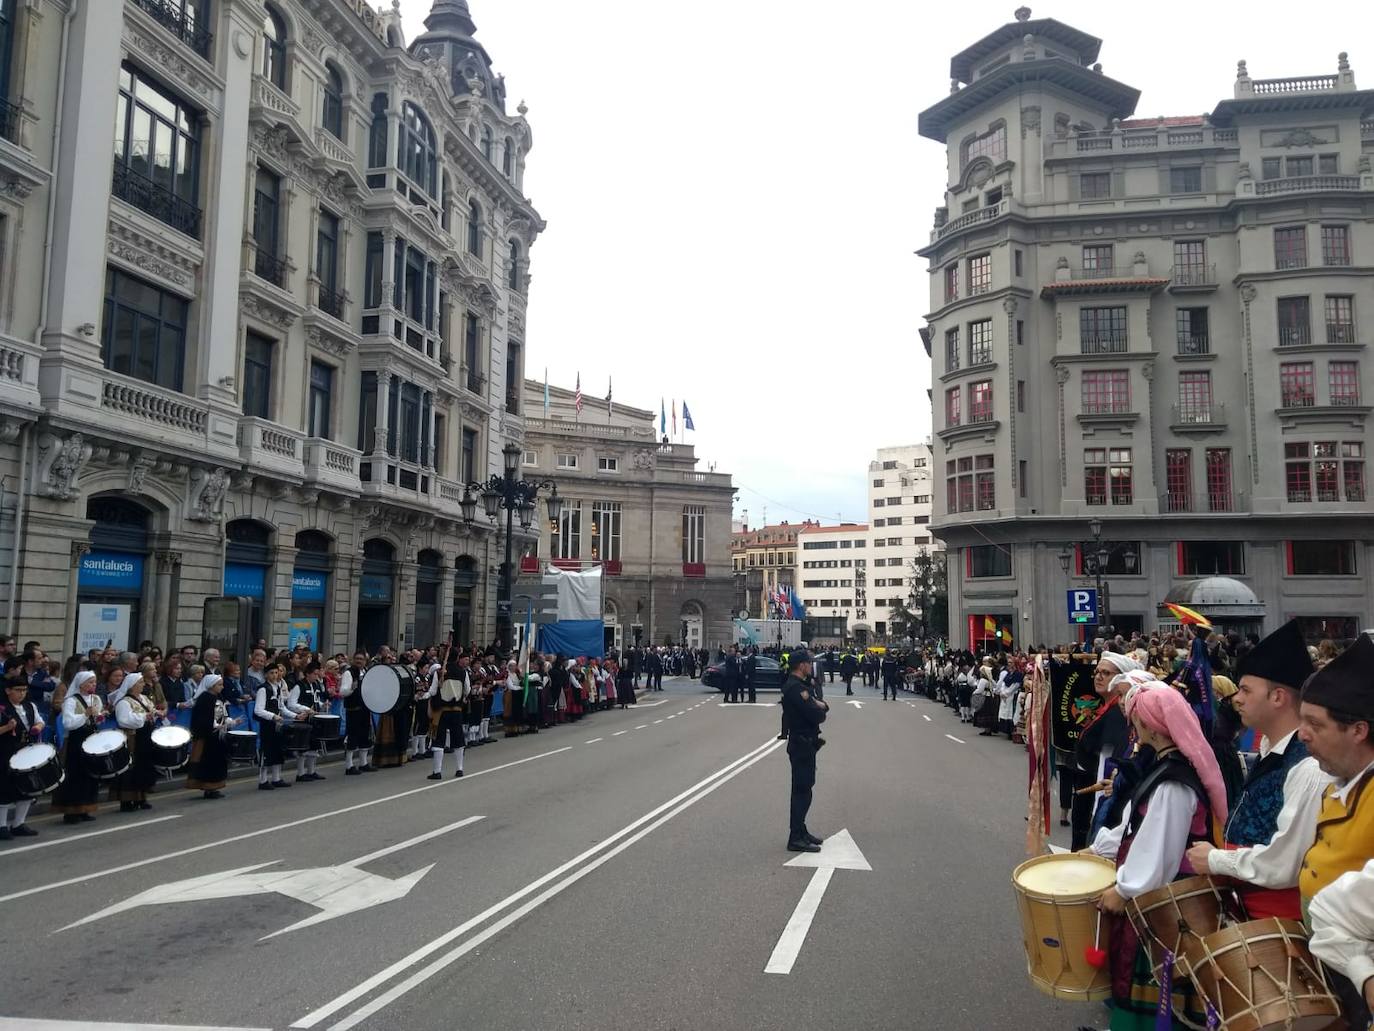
[803, 713]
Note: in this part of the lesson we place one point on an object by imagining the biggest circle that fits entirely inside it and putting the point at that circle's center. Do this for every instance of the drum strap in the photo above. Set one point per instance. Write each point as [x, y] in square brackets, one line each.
[1173, 767]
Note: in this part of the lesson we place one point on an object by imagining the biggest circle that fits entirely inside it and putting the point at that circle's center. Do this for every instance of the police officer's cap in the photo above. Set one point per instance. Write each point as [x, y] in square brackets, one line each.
[797, 658]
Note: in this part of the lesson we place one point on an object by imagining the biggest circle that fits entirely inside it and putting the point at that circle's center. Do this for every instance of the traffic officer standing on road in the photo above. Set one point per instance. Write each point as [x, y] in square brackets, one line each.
[803, 715]
[733, 672]
[751, 667]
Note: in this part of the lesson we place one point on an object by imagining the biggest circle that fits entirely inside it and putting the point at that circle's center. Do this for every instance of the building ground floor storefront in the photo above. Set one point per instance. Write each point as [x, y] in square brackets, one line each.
[1008, 584]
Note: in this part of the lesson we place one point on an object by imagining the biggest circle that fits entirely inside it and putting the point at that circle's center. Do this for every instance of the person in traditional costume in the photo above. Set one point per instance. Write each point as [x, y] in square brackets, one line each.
[210, 721]
[1342, 917]
[305, 698]
[451, 692]
[271, 710]
[357, 718]
[624, 687]
[76, 797]
[534, 694]
[20, 725]
[135, 715]
[1102, 744]
[1286, 784]
[514, 701]
[1179, 800]
[393, 728]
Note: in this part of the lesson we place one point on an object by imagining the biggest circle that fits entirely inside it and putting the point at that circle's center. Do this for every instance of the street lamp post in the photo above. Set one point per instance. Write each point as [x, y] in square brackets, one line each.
[517, 497]
[1095, 560]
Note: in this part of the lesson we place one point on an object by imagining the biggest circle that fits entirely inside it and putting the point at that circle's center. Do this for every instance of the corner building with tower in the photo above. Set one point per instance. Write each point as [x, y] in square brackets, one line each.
[1157, 323]
[263, 274]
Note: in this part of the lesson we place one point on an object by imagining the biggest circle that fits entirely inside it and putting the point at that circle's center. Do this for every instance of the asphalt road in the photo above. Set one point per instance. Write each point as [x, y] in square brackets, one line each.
[623, 872]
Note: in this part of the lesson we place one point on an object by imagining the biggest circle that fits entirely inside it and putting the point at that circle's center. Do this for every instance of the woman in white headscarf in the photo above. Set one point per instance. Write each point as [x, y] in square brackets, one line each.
[76, 797]
[210, 721]
[136, 716]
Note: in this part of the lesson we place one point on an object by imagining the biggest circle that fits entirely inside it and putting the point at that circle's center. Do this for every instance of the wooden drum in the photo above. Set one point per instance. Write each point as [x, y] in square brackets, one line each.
[1056, 897]
[1179, 915]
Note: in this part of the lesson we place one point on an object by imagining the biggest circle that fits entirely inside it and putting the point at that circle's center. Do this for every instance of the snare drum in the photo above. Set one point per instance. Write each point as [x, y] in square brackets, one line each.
[384, 687]
[36, 769]
[242, 745]
[1057, 899]
[171, 748]
[295, 736]
[106, 754]
[326, 729]
[1177, 916]
[1260, 975]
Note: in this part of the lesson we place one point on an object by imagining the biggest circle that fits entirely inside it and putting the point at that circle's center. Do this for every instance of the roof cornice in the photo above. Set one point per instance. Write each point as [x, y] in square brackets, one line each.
[1227, 111]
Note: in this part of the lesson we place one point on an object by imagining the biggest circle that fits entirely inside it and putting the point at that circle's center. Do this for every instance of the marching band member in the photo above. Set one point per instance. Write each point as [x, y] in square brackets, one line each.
[357, 718]
[491, 684]
[20, 725]
[424, 703]
[305, 698]
[448, 729]
[210, 720]
[1343, 929]
[393, 728]
[514, 712]
[271, 711]
[135, 715]
[82, 712]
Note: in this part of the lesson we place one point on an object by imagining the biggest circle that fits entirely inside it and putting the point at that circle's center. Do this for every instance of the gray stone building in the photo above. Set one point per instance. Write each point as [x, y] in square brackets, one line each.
[258, 345]
[1158, 323]
[639, 508]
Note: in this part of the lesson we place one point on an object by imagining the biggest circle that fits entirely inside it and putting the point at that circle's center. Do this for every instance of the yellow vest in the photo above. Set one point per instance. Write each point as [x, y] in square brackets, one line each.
[1345, 840]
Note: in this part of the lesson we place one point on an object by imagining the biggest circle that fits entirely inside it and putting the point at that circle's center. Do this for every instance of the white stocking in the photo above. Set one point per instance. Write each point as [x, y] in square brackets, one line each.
[439, 761]
[20, 812]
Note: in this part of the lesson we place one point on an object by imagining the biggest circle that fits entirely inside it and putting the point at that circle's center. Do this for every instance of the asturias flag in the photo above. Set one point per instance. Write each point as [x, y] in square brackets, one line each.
[662, 417]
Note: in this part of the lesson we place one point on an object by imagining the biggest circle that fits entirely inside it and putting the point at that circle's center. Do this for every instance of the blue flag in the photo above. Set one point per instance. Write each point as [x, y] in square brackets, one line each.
[662, 417]
[686, 418]
[798, 609]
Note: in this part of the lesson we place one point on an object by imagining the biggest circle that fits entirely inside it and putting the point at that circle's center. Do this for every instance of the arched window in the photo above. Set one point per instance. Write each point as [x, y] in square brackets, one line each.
[418, 150]
[508, 158]
[376, 137]
[274, 49]
[513, 273]
[486, 144]
[475, 228]
[333, 102]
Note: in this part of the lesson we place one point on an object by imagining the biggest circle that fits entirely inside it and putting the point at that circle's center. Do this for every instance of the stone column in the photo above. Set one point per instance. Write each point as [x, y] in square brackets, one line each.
[160, 627]
[79, 549]
[347, 577]
[383, 414]
[444, 607]
[277, 603]
[433, 444]
[403, 605]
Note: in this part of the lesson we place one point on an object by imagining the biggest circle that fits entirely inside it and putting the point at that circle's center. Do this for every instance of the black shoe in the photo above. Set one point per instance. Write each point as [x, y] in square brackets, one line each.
[213, 794]
[802, 845]
[365, 769]
[4, 834]
[127, 807]
[317, 776]
[812, 838]
[144, 805]
[782, 737]
[23, 831]
[265, 786]
[1063, 823]
[985, 733]
[457, 773]
[352, 771]
[435, 776]
[280, 784]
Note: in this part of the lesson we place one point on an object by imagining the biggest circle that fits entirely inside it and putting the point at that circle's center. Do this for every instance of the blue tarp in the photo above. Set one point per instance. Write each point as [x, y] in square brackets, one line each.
[573, 637]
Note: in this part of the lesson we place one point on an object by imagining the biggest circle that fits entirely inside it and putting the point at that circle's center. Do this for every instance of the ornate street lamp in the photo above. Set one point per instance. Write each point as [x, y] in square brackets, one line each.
[1097, 554]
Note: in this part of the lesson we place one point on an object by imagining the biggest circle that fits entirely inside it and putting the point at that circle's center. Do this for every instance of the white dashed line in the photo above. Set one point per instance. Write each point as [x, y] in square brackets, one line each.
[593, 741]
[673, 716]
[925, 717]
[657, 722]
[953, 738]
[619, 732]
[641, 726]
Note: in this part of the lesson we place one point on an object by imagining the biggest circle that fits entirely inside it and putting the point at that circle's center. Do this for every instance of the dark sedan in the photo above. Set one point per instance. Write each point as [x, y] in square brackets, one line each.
[768, 675]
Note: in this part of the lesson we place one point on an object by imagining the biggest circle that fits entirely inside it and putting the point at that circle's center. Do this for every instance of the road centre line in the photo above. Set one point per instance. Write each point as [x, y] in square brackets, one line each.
[400, 845]
[950, 736]
[593, 740]
[428, 971]
[91, 834]
[925, 717]
[641, 726]
[33, 1024]
[619, 732]
[269, 830]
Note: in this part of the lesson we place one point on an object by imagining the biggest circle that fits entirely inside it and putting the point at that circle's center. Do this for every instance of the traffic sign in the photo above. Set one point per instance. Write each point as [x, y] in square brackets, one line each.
[1082, 605]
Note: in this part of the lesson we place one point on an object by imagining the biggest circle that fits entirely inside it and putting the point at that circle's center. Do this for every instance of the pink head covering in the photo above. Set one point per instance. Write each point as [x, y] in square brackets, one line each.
[1168, 712]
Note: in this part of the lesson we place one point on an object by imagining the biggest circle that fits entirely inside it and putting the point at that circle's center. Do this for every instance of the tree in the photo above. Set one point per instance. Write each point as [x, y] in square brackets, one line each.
[926, 606]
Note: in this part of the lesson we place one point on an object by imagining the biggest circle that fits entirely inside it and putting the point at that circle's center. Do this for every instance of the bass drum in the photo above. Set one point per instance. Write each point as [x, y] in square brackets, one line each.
[36, 769]
[171, 748]
[385, 686]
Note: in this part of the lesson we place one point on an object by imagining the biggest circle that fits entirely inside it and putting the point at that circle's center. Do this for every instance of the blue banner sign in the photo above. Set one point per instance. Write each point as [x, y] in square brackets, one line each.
[307, 586]
[375, 587]
[120, 570]
[243, 580]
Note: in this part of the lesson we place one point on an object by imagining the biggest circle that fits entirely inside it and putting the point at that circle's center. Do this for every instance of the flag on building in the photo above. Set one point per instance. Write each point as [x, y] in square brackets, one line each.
[798, 609]
[686, 418]
[662, 418]
[610, 406]
[577, 401]
[546, 391]
[675, 417]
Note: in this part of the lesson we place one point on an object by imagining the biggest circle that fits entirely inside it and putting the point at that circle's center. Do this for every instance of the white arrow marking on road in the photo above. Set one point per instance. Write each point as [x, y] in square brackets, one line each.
[856, 704]
[838, 852]
[953, 738]
[333, 890]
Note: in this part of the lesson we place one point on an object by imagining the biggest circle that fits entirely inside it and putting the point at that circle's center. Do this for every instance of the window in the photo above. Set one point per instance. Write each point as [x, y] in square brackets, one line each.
[1016, 268]
[567, 461]
[1190, 324]
[1321, 558]
[952, 282]
[693, 534]
[327, 264]
[467, 451]
[920, 499]
[1106, 392]
[1219, 479]
[1194, 397]
[417, 150]
[1211, 558]
[156, 152]
[1270, 168]
[1290, 247]
[1335, 245]
[472, 351]
[985, 483]
[1190, 262]
[1327, 164]
[513, 270]
[1107, 473]
[952, 349]
[879, 522]
[474, 228]
[1296, 387]
[144, 331]
[1178, 477]
[487, 145]
[257, 376]
[274, 49]
[1021, 395]
[1334, 467]
[1340, 319]
[372, 276]
[1343, 379]
[952, 396]
[991, 145]
[980, 401]
[1299, 166]
[1022, 477]
[980, 342]
[1095, 185]
[319, 409]
[895, 501]
[879, 482]
[1352, 470]
[508, 158]
[376, 136]
[1185, 180]
[267, 261]
[1098, 258]
[1020, 331]
[1295, 322]
[1102, 330]
[608, 465]
[880, 502]
[984, 560]
[567, 538]
[333, 118]
[889, 465]
[530, 459]
[980, 274]
[1298, 471]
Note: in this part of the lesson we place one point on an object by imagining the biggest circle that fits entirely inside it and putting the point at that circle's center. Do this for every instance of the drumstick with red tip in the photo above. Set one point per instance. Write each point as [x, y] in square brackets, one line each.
[1096, 956]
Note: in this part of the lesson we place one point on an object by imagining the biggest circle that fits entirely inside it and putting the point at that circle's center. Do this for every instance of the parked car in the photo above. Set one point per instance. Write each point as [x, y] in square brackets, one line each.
[768, 675]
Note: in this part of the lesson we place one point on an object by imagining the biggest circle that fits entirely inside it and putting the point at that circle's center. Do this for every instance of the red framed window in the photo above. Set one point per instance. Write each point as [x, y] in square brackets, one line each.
[980, 341]
[1335, 245]
[952, 403]
[1097, 258]
[980, 274]
[1178, 476]
[1095, 475]
[952, 349]
[985, 482]
[980, 401]
[951, 488]
[1106, 392]
[1297, 462]
[1326, 470]
[1290, 247]
[1194, 397]
[1119, 473]
[1295, 322]
[1340, 319]
[1343, 380]
[966, 493]
[1297, 388]
[1219, 479]
[1352, 468]
[952, 282]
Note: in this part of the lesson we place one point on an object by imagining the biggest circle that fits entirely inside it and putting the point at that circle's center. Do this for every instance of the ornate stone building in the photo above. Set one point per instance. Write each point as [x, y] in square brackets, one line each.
[1156, 323]
[258, 346]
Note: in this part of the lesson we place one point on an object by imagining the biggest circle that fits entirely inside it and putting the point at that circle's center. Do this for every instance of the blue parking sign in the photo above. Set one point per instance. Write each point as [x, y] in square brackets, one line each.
[1082, 605]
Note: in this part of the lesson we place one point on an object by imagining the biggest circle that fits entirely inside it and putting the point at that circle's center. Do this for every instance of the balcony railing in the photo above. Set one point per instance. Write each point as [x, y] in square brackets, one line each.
[1118, 407]
[971, 218]
[137, 189]
[1199, 413]
[513, 404]
[1194, 343]
[1340, 333]
[1307, 184]
[331, 302]
[1103, 344]
[1296, 84]
[1297, 399]
[980, 413]
[1178, 501]
[1294, 336]
[161, 408]
[475, 382]
[1344, 400]
[181, 21]
[10, 119]
[268, 266]
[1193, 275]
[1214, 500]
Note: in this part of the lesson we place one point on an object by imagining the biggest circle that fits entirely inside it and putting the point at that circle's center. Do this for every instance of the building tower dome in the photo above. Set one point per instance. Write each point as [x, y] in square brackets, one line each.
[449, 38]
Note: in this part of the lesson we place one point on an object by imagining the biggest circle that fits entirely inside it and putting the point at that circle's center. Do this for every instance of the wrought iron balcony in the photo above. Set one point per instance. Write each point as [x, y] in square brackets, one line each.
[331, 302]
[475, 381]
[1294, 336]
[137, 189]
[181, 20]
[1192, 276]
[10, 116]
[1106, 344]
[1194, 343]
[268, 266]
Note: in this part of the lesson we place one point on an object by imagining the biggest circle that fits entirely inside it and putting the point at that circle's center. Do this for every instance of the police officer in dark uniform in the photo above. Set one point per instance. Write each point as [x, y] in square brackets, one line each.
[751, 668]
[734, 674]
[803, 713]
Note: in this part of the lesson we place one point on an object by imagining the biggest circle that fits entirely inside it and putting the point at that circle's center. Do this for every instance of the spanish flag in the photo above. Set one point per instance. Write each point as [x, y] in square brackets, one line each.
[1187, 616]
[989, 625]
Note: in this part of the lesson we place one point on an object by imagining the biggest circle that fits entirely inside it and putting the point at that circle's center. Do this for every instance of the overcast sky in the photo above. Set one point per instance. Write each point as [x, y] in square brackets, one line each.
[734, 190]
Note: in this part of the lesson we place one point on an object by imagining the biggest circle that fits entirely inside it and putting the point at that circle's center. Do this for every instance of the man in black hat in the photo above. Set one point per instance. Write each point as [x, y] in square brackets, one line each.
[802, 715]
